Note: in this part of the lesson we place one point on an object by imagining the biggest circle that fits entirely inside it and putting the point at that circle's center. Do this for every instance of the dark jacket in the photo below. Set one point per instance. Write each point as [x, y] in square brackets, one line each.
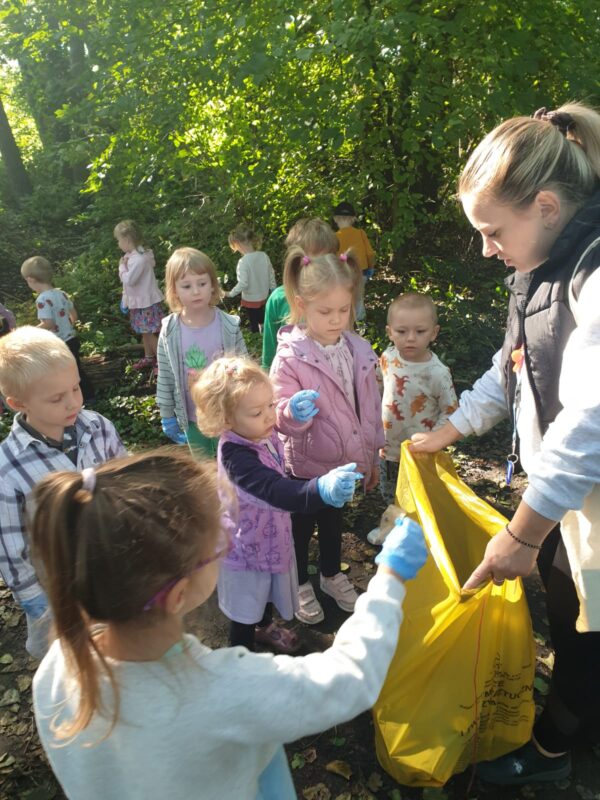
[539, 314]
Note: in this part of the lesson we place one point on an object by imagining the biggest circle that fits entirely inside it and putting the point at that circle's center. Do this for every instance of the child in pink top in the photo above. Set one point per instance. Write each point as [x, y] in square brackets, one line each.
[141, 295]
[328, 406]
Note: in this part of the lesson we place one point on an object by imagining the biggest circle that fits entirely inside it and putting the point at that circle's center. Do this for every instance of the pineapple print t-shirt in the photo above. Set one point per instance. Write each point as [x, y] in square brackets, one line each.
[417, 397]
[199, 346]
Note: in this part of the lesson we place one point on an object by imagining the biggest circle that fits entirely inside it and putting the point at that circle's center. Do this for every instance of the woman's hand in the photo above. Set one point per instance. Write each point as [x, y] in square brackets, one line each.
[513, 555]
[434, 441]
[504, 559]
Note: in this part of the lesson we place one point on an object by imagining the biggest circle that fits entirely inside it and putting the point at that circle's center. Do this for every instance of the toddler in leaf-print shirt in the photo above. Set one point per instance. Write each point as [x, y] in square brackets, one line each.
[418, 393]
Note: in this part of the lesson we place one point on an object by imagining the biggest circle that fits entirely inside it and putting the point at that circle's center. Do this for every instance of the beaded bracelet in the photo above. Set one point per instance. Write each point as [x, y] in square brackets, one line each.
[521, 541]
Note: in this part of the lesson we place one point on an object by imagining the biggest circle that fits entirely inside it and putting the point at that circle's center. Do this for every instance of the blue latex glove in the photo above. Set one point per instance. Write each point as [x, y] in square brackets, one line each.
[171, 428]
[35, 607]
[404, 549]
[302, 406]
[337, 486]
[122, 307]
[368, 273]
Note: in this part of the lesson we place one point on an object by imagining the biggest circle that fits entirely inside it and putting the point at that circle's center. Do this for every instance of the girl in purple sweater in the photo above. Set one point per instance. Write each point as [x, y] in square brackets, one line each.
[234, 400]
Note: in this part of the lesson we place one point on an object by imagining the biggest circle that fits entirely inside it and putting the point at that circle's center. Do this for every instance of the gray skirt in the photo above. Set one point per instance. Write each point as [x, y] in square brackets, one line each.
[243, 596]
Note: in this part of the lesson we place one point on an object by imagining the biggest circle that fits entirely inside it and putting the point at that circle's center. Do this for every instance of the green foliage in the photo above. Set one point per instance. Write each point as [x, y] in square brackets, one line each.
[191, 117]
[136, 418]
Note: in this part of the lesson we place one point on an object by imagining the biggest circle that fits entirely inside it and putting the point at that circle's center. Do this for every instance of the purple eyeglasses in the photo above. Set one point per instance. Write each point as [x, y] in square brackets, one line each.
[160, 596]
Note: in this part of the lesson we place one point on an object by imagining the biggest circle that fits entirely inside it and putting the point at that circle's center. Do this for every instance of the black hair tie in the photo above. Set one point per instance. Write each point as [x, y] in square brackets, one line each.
[560, 119]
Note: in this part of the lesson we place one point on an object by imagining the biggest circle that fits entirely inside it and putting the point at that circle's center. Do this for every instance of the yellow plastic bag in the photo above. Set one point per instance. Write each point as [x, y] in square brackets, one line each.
[460, 686]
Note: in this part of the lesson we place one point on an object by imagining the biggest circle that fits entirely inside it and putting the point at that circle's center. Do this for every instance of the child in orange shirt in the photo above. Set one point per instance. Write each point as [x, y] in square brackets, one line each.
[355, 239]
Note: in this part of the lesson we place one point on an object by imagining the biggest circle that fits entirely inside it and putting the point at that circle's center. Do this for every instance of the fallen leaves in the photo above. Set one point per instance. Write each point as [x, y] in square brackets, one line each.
[317, 792]
[10, 697]
[341, 768]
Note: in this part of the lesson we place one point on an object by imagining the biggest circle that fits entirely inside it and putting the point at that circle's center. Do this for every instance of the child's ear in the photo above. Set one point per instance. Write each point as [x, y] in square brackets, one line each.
[15, 404]
[436, 330]
[300, 304]
[175, 599]
[388, 331]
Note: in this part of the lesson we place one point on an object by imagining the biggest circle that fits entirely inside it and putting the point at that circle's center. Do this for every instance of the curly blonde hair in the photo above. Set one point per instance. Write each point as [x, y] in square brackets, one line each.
[220, 388]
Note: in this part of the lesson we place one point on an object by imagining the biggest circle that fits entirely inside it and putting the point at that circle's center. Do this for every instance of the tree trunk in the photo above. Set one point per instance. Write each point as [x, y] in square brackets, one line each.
[19, 179]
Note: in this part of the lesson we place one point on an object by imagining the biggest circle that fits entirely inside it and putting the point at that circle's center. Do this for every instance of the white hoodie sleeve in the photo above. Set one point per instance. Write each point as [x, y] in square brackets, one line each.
[483, 406]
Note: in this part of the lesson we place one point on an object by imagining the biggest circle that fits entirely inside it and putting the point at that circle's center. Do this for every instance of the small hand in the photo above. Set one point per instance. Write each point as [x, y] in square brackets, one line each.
[171, 429]
[404, 550]
[35, 607]
[302, 406]
[123, 308]
[434, 441]
[337, 486]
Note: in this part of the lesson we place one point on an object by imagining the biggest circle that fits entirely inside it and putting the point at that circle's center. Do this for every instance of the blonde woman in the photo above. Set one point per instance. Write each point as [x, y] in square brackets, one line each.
[531, 189]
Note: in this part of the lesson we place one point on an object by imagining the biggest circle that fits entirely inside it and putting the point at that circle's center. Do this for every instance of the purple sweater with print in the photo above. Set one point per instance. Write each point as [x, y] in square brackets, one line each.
[261, 527]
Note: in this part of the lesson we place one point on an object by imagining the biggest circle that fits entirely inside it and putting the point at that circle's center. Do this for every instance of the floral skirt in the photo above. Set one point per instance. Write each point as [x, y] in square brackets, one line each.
[146, 320]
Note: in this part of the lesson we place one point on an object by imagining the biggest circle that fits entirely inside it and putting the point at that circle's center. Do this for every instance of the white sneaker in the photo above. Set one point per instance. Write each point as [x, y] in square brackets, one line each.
[310, 611]
[342, 591]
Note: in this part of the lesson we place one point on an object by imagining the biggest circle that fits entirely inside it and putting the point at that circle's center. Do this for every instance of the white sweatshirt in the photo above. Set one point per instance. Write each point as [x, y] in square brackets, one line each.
[205, 724]
[564, 466]
[255, 277]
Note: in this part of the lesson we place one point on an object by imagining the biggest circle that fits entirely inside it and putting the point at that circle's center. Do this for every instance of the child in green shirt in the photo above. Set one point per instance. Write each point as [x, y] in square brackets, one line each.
[316, 238]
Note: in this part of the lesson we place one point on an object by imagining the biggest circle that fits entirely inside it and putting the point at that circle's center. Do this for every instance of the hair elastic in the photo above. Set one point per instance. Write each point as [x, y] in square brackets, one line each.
[88, 479]
[560, 119]
[305, 260]
[231, 369]
[343, 256]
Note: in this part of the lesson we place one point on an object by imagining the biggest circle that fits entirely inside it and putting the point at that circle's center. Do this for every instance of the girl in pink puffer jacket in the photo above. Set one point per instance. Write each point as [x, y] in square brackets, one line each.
[336, 418]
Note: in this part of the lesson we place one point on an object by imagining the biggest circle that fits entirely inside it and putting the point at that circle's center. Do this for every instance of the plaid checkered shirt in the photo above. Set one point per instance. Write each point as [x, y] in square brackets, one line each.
[23, 461]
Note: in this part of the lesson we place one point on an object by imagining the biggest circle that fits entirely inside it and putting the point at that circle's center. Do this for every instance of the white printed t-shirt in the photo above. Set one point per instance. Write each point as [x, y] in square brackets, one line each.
[417, 397]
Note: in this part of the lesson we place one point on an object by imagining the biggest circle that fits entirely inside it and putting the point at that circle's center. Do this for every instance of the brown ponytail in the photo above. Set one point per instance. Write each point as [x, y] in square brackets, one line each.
[103, 554]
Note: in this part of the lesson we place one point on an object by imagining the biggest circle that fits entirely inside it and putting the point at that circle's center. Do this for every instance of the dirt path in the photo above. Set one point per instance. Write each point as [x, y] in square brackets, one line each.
[25, 774]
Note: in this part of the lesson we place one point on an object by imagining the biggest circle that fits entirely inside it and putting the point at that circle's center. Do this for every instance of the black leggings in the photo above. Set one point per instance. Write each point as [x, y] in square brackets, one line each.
[256, 317]
[572, 709]
[243, 634]
[329, 521]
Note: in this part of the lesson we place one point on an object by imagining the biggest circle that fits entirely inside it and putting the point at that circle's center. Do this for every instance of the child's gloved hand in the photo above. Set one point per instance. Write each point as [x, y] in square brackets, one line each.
[302, 406]
[35, 607]
[171, 428]
[404, 550]
[368, 273]
[337, 486]
[123, 308]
